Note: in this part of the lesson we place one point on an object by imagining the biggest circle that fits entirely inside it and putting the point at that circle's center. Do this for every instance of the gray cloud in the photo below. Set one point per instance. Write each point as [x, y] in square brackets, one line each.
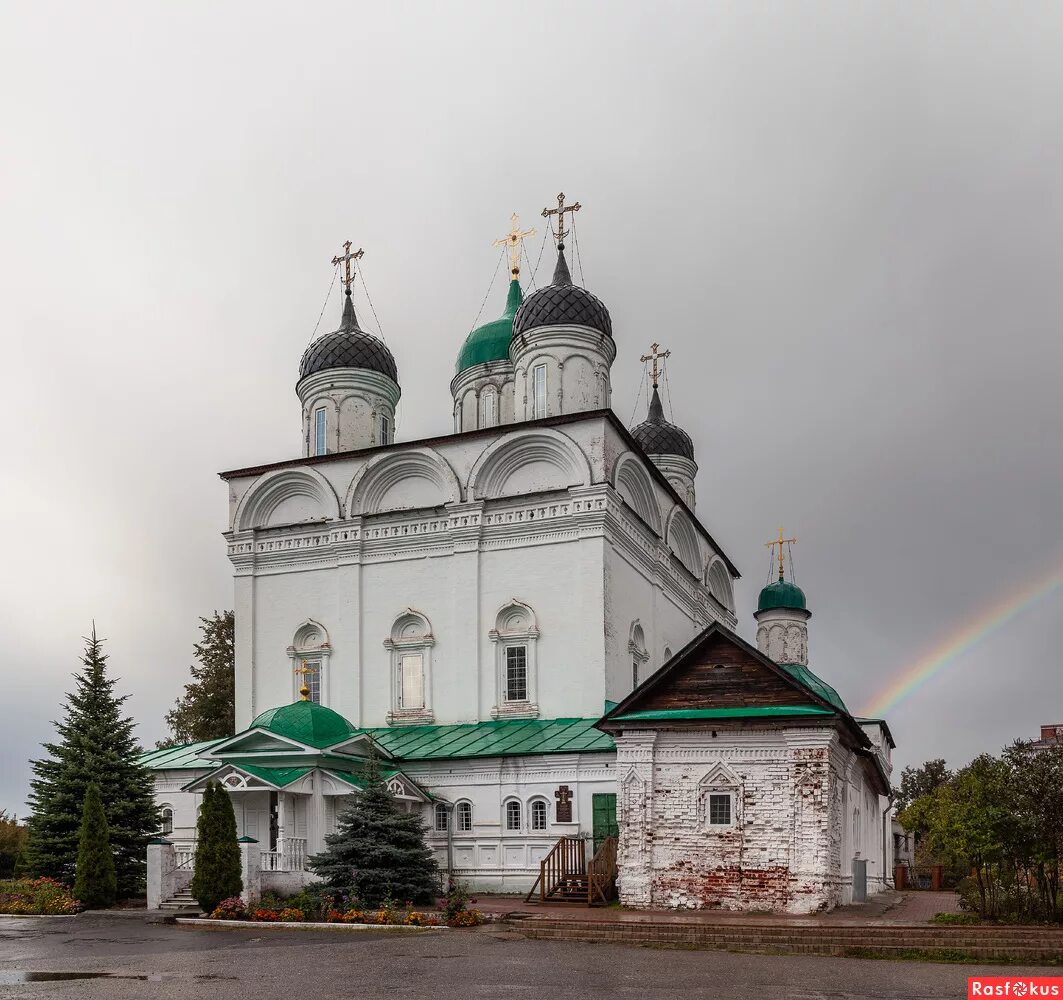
[843, 220]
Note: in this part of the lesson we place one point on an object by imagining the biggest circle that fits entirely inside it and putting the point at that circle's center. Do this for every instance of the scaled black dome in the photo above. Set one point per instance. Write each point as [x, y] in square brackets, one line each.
[658, 437]
[562, 303]
[348, 347]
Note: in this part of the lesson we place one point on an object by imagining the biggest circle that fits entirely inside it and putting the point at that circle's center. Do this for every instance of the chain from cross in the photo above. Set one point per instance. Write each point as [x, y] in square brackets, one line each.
[782, 543]
[346, 261]
[513, 240]
[305, 670]
[560, 211]
[654, 356]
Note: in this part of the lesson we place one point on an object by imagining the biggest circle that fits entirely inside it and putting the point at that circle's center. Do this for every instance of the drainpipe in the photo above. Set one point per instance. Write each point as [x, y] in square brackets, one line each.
[886, 870]
[450, 840]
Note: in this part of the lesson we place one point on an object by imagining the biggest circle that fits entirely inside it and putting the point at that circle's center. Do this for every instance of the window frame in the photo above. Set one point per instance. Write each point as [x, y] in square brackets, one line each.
[384, 427]
[539, 388]
[515, 626]
[489, 394]
[507, 696]
[320, 430]
[728, 797]
[404, 655]
[508, 807]
[463, 812]
[440, 818]
[165, 822]
[411, 634]
[315, 653]
[533, 809]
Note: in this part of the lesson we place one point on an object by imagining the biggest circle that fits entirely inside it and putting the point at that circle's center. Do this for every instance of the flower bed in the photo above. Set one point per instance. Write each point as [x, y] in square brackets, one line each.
[234, 909]
[37, 896]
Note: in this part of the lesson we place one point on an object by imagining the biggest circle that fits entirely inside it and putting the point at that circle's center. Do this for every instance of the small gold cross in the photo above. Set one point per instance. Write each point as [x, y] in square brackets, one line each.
[346, 261]
[781, 542]
[305, 670]
[653, 356]
[560, 211]
[513, 240]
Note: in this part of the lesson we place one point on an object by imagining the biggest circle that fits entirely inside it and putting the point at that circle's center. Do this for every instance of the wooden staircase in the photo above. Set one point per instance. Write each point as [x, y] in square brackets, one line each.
[565, 875]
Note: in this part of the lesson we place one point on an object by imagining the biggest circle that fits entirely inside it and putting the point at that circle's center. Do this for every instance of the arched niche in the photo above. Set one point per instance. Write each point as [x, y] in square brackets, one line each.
[633, 483]
[287, 496]
[403, 481]
[683, 541]
[718, 580]
[531, 461]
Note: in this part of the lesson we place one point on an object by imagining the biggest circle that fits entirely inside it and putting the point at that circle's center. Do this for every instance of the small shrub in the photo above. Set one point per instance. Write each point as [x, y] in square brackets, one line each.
[955, 918]
[264, 916]
[42, 896]
[456, 901]
[291, 915]
[230, 909]
[466, 918]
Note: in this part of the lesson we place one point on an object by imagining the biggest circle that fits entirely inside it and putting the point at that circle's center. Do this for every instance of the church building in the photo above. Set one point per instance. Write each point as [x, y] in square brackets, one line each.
[529, 626]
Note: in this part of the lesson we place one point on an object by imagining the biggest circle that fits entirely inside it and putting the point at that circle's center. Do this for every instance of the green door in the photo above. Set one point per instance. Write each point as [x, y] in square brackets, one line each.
[603, 812]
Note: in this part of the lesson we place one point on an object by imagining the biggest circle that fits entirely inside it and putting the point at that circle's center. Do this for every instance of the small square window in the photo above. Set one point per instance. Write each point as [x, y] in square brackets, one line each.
[720, 809]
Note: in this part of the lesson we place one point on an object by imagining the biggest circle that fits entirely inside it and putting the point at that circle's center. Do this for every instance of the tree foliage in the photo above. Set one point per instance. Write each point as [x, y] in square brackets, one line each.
[95, 883]
[919, 781]
[1003, 818]
[378, 851]
[12, 842]
[95, 744]
[217, 864]
[207, 709]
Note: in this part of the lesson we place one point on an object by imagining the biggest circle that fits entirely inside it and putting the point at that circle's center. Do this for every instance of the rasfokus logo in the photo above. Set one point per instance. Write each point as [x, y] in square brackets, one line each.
[1023, 987]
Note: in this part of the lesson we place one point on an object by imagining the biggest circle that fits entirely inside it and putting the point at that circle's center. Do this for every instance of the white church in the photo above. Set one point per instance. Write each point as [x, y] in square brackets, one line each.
[528, 624]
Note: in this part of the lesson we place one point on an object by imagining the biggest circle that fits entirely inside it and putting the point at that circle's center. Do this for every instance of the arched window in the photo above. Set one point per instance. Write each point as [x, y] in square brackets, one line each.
[667, 653]
[442, 818]
[488, 408]
[538, 393]
[538, 814]
[166, 817]
[636, 647]
[310, 649]
[515, 636]
[463, 817]
[410, 645]
[320, 426]
[512, 815]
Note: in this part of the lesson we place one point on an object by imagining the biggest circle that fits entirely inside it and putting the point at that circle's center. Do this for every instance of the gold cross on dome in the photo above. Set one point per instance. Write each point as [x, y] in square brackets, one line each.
[305, 670]
[781, 542]
[346, 261]
[560, 211]
[653, 356]
[513, 240]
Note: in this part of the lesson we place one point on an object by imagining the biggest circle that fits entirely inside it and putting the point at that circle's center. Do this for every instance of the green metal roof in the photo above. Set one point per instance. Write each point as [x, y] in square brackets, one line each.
[190, 757]
[490, 342]
[804, 676]
[764, 711]
[279, 776]
[307, 722]
[493, 739]
[781, 594]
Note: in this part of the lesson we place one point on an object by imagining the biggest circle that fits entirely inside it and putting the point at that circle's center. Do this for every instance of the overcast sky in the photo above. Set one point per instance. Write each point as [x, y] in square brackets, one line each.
[843, 219]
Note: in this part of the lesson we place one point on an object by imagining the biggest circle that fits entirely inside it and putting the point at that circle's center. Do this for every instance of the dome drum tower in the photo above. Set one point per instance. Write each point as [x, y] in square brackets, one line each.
[782, 616]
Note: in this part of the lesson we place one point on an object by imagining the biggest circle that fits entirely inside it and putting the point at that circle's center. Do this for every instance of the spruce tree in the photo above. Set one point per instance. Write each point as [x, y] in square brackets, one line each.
[377, 849]
[207, 709]
[217, 866]
[95, 882]
[95, 744]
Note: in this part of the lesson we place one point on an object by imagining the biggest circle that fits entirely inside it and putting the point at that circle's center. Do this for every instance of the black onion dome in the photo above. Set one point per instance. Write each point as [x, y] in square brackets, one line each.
[562, 303]
[348, 347]
[658, 437]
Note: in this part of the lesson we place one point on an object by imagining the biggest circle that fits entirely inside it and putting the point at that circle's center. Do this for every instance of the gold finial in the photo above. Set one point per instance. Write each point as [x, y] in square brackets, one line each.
[781, 542]
[654, 356]
[346, 261]
[513, 240]
[560, 211]
[305, 669]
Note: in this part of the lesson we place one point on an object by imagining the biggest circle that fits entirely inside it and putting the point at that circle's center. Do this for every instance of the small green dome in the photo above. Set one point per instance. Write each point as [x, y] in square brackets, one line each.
[307, 722]
[781, 594]
[490, 342]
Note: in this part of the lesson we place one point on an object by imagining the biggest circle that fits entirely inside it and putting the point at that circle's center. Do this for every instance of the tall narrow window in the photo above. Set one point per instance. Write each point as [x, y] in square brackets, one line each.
[634, 674]
[320, 424]
[385, 429]
[411, 667]
[463, 812]
[516, 673]
[166, 814]
[442, 819]
[488, 408]
[512, 815]
[538, 814]
[313, 680]
[538, 392]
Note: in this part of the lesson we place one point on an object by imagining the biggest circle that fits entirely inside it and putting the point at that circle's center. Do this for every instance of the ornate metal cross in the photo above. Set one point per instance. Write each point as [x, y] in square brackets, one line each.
[346, 261]
[513, 240]
[560, 211]
[306, 669]
[781, 542]
[654, 356]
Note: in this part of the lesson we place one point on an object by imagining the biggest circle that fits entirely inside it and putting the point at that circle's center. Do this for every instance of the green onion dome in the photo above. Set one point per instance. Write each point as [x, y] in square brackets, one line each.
[306, 722]
[781, 594]
[490, 342]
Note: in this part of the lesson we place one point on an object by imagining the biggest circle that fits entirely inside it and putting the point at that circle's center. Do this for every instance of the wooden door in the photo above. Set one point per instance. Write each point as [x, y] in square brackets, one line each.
[603, 813]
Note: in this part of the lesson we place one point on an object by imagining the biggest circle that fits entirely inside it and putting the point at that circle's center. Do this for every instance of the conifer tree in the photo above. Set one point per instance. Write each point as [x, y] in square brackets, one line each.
[95, 882]
[217, 865]
[95, 744]
[207, 709]
[378, 850]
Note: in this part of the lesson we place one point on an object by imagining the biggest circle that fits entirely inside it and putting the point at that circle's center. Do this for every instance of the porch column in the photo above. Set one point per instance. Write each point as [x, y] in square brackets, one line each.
[282, 820]
[161, 864]
[315, 821]
[250, 865]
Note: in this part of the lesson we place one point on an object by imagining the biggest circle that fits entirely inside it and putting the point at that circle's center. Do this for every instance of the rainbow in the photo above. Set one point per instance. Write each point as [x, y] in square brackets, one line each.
[950, 649]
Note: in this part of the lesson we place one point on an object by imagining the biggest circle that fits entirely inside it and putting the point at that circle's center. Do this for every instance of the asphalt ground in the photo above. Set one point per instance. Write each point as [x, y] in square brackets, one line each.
[142, 960]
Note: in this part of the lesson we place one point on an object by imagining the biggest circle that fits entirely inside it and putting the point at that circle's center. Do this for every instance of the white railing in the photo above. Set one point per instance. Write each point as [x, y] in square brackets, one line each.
[290, 858]
[184, 856]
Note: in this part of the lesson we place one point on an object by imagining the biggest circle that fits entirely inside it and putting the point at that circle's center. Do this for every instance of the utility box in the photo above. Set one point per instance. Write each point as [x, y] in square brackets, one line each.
[859, 880]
